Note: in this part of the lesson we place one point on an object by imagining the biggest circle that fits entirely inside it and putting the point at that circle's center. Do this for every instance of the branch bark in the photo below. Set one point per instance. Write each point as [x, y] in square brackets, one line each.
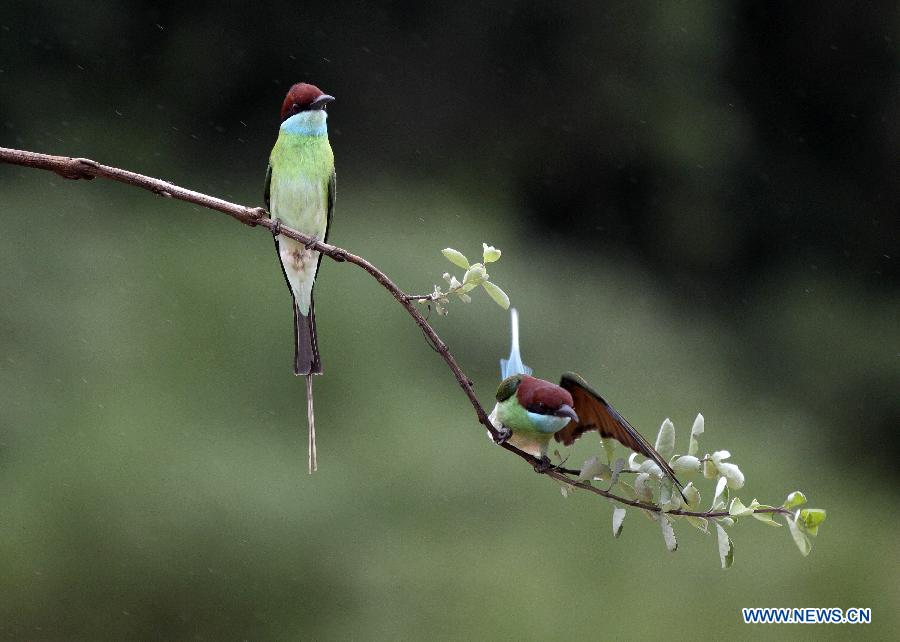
[86, 169]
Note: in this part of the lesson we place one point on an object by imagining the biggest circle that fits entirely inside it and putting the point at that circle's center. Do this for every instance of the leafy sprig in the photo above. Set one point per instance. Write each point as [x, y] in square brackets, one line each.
[656, 496]
[475, 275]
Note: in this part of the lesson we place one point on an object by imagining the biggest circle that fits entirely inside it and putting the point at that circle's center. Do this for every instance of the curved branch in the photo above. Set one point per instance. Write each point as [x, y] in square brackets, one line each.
[653, 508]
[84, 168]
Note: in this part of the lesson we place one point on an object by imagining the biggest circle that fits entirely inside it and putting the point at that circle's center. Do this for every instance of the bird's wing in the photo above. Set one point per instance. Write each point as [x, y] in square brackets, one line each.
[594, 413]
[267, 192]
[332, 194]
[267, 197]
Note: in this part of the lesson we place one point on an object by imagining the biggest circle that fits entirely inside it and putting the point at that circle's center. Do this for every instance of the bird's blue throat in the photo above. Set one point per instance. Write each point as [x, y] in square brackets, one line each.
[548, 423]
[307, 123]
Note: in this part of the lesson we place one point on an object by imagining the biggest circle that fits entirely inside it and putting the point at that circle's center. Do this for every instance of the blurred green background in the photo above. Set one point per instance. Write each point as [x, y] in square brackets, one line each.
[697, 207]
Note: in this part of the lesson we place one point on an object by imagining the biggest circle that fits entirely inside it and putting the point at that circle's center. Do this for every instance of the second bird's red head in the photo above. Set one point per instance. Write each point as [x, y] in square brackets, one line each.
[545, 398]
[303, 97]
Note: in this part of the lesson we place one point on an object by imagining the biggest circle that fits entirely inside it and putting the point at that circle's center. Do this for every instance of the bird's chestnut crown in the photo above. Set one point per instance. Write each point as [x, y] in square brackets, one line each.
[303, 97]
[536, 395]
[542, 397]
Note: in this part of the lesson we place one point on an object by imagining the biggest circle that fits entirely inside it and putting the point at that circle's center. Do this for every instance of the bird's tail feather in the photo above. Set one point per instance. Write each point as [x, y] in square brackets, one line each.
[311, 423]
[513, 365]
[306, 346]
[307, 362]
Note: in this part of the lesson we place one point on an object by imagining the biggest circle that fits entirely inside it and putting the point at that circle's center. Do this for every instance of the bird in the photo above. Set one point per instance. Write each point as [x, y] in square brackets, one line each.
[531, 412]
[300, 193]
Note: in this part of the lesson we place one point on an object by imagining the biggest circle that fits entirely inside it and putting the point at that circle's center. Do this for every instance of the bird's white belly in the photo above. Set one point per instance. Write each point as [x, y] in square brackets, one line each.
[300, 265]
[307, 212]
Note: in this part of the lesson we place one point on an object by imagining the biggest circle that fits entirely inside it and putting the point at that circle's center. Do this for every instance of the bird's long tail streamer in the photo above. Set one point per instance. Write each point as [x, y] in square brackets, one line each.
[311, 422]
[513, 365]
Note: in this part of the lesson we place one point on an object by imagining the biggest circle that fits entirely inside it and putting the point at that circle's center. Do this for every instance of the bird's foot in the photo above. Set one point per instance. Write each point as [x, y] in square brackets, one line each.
[543, 465]
[312, 241]
[276, 227]
[503, 435]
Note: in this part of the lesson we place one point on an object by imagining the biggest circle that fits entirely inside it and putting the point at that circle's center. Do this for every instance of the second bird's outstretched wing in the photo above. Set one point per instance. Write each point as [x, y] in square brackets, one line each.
[594, 413]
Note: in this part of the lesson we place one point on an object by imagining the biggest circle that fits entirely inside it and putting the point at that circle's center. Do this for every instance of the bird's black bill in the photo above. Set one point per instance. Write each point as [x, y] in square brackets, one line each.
[321, 102]
[566, 410]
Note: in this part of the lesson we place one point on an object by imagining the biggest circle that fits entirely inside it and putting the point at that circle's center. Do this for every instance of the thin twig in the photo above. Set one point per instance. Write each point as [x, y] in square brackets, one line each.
[83, 168]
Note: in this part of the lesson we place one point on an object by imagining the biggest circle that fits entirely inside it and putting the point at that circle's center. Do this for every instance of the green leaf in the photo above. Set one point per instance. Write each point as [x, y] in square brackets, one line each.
[737, 508]
[455, 257]
[676, 502]
[617, 467]
[642, 489]
[730, 471]
[794, 499]
[766, 518]
[650, 466]
[668, 532]
[721, 496]
[498, 295]
[733, 474]
[665, 440]
[610, 449]
[709, 468]
[490, 253]
[632, 461]
[696, 431]
[698, 522]
[618, 519]
[811, 518]
[627, 490]
[593, 468]
[726, 547]
[692, 494]
[800, 538]
[685, 464]
[475, 274]
[665, 496]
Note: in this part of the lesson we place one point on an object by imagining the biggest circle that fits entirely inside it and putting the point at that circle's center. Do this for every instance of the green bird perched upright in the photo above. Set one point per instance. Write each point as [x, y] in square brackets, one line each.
[530, 412]
[300, 190]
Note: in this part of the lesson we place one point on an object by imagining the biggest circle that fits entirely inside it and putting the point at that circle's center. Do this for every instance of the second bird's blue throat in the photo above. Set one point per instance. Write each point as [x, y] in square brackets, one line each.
[307, 123]
[548, 424]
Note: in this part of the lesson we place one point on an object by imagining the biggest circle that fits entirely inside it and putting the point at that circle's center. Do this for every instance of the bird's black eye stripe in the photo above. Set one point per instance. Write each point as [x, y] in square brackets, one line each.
[538, 408]
[295, 108]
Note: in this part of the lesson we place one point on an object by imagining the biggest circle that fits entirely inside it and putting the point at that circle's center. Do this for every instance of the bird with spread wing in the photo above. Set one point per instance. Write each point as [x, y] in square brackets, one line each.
[530, 412]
